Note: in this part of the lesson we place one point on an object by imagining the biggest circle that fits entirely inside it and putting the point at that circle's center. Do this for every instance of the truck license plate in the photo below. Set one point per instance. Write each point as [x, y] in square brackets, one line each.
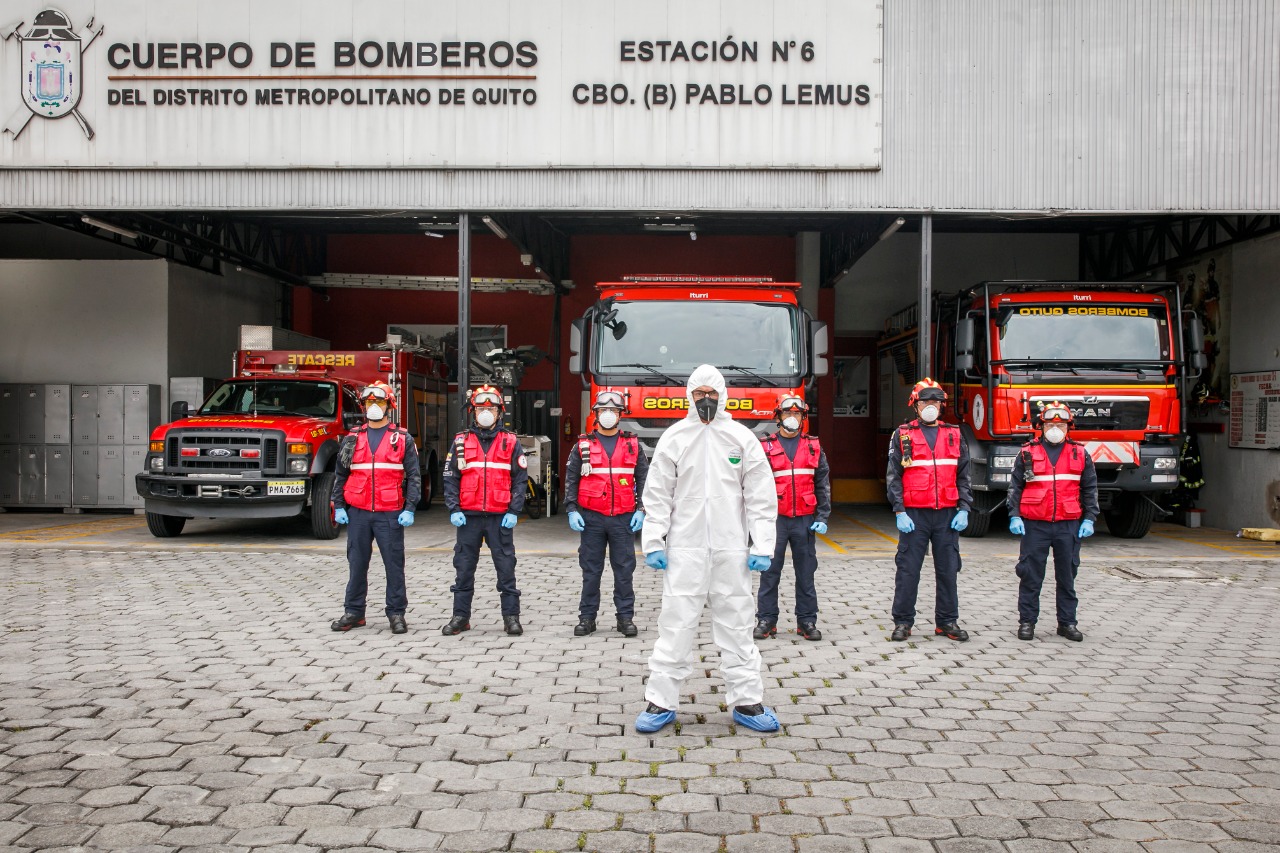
[287, 487]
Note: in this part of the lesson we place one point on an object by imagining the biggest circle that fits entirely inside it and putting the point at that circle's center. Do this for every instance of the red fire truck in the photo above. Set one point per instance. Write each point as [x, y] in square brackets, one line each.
[1112, 351]
[265, 442]
[647, 333]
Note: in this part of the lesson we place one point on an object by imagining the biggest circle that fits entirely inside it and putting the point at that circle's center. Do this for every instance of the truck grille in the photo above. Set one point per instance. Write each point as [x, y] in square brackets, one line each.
[219, 452]
[1109, 414]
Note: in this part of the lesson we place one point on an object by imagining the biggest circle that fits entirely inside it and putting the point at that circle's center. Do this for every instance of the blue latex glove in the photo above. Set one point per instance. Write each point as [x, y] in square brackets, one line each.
[458, 519]
[1016, 527]
[509, 520]
[340, 515]
[656, 559]
[904, 522]
[756, 563]
[818, 527]
[1086, 529]
[637, 521]
[577, 522]
[406, 519]
[961, 521]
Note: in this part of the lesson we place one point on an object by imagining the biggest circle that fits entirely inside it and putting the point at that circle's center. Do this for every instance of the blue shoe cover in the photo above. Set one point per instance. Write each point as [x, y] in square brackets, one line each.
[765, 722]
[648, 723]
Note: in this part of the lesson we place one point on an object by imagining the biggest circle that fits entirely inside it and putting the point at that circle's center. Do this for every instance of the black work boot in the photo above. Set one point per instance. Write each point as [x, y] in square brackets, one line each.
[456, 625]
[809, 630]
[584, 627]
[952, 631]
[1071, 632]
[900, 632]
[1026, 630]
[626, 627]
[765, 628]
[512, 625]
[398, 625]
[347, 621]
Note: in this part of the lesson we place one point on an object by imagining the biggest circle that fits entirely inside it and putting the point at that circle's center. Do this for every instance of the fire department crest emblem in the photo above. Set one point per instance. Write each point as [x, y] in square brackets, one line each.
[51, 70]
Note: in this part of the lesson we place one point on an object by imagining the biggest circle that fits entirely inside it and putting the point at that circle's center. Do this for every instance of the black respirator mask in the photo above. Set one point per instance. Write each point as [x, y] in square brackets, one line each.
[707, 408]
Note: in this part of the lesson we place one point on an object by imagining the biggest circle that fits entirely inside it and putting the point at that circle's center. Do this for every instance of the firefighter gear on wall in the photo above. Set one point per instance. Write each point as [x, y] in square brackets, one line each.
[485, 478]
[929, 488]
[378, 484]
[710, 504]
[1053, 503]
[802, 482]
[604, 480]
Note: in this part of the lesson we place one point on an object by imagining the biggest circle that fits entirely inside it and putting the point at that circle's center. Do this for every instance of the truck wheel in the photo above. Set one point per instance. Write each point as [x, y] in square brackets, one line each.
[1130, 517]
[984, 504]
[322, 524]
[165, 526]
[429, 474]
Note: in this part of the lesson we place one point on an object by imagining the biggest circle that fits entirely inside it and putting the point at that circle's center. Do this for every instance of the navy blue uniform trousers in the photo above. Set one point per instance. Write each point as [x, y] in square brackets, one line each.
[793, 531]
[363, 527]
[932, 526]
[482, 527]
[615, 532]
[1062, 537]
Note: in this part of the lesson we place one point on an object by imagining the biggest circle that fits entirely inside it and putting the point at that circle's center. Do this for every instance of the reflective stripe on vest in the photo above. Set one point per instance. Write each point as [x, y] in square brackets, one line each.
[376, 481]
[929, 476]
[1054, 494]
[485, 484]
[610, 488]
[794, 478]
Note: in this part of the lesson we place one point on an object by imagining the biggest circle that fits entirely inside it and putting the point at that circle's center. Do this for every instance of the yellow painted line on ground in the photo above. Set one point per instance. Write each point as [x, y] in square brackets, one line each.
[58, 533]
[868, 527]
[1228, 544]
[831, 543]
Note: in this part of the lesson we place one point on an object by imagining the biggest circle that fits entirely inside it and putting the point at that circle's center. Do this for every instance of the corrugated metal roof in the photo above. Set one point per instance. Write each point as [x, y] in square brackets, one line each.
[1124, 106]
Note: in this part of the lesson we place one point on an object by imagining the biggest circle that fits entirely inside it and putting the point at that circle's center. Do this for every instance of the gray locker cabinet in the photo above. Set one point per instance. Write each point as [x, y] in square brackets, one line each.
[84, 474]
[31, 414]
[111, 476]
[57, 474]
[135, 459]
[9, 397]
[31, 468]
[10, 475]
[84, 417]
[141, 412]
[57, 414]
[110, 414]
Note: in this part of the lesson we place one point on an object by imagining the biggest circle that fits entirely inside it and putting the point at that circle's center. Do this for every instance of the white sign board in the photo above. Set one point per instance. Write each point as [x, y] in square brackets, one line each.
[1255, 410]
[659, 84]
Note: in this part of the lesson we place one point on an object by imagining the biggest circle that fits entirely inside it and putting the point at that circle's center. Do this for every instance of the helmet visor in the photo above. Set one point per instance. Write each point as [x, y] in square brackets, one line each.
[787, 404]
[608, 400]
[374, 392]
[931, 394]
[1058, 413]
[486, 398]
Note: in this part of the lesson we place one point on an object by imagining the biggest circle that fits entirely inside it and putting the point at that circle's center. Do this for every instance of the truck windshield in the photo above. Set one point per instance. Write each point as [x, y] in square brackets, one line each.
[1089, 333]
[667, 340]
[272, 397]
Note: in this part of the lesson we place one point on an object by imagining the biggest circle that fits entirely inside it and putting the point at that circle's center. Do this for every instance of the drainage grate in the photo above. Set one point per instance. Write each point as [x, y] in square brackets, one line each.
[1160, 573]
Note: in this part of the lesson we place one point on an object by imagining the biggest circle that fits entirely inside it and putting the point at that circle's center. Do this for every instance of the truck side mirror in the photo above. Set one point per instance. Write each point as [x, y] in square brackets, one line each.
[179, 410]
[964, 361]
[965, 335]
[818, 344]
[577, 334]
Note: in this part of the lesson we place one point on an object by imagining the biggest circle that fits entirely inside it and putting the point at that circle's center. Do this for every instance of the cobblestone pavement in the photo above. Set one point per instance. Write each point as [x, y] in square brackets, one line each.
[195, 699]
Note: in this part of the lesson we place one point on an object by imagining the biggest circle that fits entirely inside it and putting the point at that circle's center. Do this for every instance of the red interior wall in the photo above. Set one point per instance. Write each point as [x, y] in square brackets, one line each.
[852, 444]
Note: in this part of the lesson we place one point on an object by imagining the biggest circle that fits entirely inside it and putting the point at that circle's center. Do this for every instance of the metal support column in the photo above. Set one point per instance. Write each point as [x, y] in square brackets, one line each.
[464, 316]
[924, 348]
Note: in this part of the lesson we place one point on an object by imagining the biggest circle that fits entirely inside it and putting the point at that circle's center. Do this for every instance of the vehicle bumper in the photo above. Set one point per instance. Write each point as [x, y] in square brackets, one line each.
[223, 497]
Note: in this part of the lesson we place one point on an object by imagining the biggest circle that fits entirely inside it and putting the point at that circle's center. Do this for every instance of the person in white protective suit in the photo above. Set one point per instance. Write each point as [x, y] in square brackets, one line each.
[712, 513]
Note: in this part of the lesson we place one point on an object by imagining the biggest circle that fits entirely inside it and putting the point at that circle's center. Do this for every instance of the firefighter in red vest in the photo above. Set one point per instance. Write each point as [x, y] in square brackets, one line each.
[485, 478]
[803, 480]
[604, 479]
[379, 482]
[1053, 504]
[929, 487]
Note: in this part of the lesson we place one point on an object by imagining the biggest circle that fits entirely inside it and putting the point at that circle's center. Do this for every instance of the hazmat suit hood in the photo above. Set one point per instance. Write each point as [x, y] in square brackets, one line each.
[705, 374]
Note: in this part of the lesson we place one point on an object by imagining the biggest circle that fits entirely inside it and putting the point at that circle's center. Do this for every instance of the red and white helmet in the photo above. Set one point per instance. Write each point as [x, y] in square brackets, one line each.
[379, 391]
[926, 389]
[788, 403]
[609, 399]
[485, 395]
[1055, 412]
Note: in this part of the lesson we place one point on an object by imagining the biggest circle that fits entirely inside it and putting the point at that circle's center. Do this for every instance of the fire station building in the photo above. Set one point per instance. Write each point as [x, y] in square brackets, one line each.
[172, 172]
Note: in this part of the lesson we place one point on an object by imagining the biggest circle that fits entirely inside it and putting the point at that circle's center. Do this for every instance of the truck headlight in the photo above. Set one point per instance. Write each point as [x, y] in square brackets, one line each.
[999, 478]
[156, 463]
[1164, 463]
[1002, 461]
[299, 466]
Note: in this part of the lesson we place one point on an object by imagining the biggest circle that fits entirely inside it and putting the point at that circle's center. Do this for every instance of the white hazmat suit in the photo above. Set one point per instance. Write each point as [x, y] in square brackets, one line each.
[710, 500]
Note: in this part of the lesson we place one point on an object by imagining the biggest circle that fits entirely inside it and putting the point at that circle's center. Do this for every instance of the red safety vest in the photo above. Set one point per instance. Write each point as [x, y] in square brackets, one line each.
[1054, 494]
[610, 488]
[376, 482]
[486, 479]
[794, 478]
[929, 473]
